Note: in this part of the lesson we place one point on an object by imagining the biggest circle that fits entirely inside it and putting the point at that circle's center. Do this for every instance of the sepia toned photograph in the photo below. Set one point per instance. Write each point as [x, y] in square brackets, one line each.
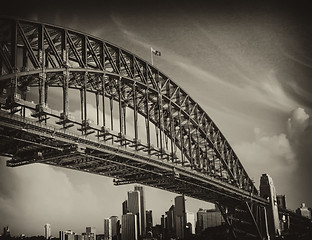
[155, 120]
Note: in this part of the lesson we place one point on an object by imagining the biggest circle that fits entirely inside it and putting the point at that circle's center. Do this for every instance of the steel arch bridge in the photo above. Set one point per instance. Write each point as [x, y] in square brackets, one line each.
[145, 128]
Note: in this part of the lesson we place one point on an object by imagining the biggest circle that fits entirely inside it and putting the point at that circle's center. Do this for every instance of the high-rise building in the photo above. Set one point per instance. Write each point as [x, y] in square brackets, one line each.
[107, 229]
[281, 201]
[91, 233]
[47, 231]
[170, 225]
[180, 216]
[129, 227]
[67, 235]
[190, 222]
[115, 227]
[142, 209]
[304, 211]
[267, 191]
[124, 207]
[207, 218]
[149, 220]
[134, 206]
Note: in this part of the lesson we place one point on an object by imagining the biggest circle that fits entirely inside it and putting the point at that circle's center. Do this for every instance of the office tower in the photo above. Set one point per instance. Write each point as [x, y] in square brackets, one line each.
[67, 235]
[190, 222]
[304, 211]
[124, 207]
[170, 222]
[134, 206]
[180, 216]
[115, 227]
[149, 220]
[281, 201]
[142, 211]
[47, 231]
[207, 218]
[129, 227]
[107, 229]
[267, 191]
[91, 233]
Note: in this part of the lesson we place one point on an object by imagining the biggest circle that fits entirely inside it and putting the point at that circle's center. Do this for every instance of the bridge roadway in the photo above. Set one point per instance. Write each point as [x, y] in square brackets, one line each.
[179, 149]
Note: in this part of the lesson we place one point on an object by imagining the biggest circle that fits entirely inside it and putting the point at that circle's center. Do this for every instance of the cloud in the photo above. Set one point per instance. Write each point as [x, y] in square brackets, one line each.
[299, 129]
[267, 154]
[286, 157]
[31, 196]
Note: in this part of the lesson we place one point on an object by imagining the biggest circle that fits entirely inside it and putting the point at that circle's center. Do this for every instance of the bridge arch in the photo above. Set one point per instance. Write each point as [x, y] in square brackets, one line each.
[44, 56]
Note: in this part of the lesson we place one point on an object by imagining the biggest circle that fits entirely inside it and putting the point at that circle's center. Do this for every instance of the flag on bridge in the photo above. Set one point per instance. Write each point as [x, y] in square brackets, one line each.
[155, 52]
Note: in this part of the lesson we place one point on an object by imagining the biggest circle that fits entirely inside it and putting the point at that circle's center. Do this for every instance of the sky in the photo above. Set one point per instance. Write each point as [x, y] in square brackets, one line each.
[248, 65]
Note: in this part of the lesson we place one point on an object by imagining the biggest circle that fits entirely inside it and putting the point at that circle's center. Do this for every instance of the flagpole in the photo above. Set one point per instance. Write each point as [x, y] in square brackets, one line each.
[152, 56]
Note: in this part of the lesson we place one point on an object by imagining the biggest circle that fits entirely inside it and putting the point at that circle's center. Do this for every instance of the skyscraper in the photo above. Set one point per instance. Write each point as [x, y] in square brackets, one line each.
[134, 206]
[124, 207]
[47, 231]
[91, 233]
[142, 209]
[267, 191]
[129, 227]
[107, 229]
[66, 235]
[208, 218]
[115, 227]
[149, 220]
[171, 231]
[180, 216]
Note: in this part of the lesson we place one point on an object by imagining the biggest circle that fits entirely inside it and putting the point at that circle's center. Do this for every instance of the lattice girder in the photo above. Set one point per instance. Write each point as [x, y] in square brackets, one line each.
[44, 56]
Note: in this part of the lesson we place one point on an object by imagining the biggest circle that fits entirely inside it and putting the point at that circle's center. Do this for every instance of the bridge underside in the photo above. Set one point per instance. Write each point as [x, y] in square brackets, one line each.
[26, 141]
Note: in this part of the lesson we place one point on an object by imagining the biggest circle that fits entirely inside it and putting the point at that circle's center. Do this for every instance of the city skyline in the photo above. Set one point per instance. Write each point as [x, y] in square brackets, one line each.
[248, 66]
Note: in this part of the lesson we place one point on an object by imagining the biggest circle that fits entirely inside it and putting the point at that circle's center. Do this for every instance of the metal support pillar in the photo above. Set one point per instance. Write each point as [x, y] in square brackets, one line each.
[65, 94]
[135, 115]
[147, 121]
[97, 108]
[103, 99]
[121, 112]
[160, 120]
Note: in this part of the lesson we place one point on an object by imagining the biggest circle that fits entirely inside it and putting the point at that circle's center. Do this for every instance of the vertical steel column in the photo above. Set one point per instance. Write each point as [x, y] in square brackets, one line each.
[111, 104]
[65, 74]
[135, 115]
[103, 99]
[181, 136]
[111, 111]
[82, 104]
[97, 107]
[41, 56]
[198, 149]
[85, 95]
[190, 142]
[65, 94]
[121, 114]
[147, 121]
[206, 160]
[171, 129]
[160, 117]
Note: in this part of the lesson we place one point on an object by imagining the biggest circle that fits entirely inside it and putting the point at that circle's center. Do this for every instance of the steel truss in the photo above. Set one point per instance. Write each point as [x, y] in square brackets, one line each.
[183, 151]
